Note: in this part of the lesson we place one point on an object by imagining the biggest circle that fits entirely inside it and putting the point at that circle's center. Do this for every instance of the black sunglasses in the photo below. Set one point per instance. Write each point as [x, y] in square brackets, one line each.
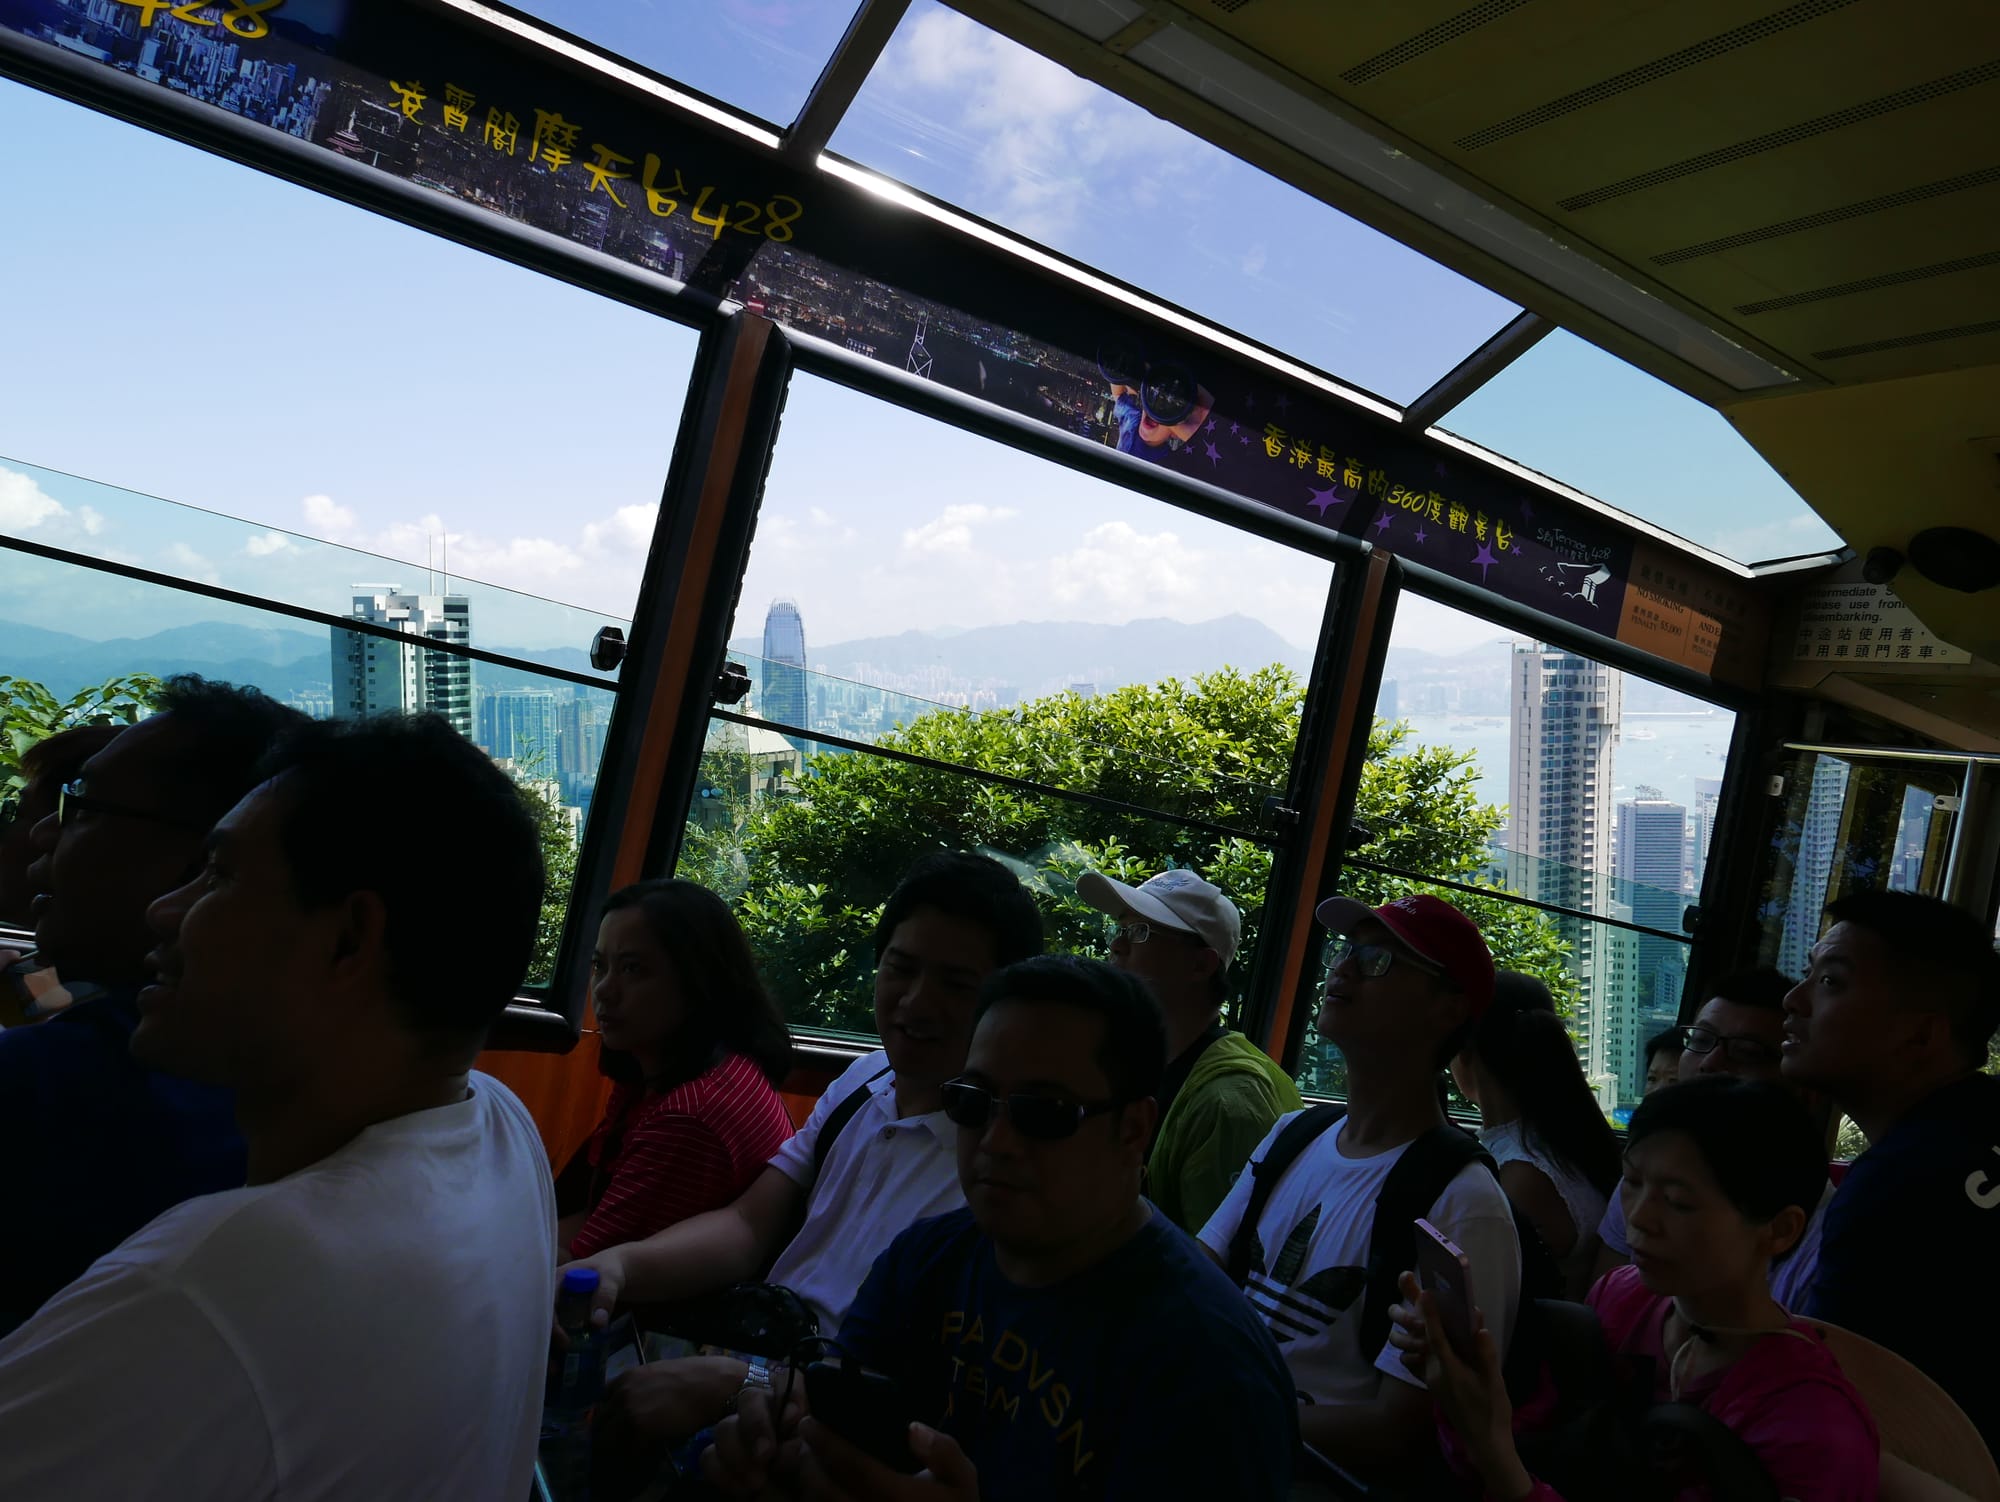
[1372, 960]
[72, 800]
[1040, 1118]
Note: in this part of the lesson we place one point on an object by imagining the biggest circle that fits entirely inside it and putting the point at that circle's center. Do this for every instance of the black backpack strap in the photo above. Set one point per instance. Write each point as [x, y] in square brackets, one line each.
[1419, 1177]
[1295, 1137]
[838, 1118]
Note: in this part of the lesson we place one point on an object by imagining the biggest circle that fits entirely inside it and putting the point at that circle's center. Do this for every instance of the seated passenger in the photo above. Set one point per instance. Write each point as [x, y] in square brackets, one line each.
[1058, 1337]
[1407, 982]
[1693, 1318]
[368, 1317]
[825, 1215]
[696, 1048]
[1557, 1155]
[1893, 1022]
[37, 991]
[99, 1144]
[1738, 1032]
[1178, 934]
[1663, 1059]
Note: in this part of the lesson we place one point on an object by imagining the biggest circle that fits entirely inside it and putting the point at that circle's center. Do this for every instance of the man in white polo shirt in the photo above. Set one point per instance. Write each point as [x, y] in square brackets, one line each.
[826, 1210]
[1178, 934]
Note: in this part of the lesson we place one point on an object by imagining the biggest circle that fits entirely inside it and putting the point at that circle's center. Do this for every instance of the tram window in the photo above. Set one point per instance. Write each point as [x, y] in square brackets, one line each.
[67, 627]
[287, 359]
[1849, 824]
[1533, 772]
[971, 117]
[948, 597]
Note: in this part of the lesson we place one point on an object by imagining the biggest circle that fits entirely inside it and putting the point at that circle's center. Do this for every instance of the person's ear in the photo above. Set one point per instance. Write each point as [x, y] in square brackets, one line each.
[360, 938]
[1784, 1231]
[1206, 961]
[1136, 1123]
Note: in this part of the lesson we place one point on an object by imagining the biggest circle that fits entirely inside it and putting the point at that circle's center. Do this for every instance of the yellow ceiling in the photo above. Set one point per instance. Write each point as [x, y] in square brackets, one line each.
[1816, 181]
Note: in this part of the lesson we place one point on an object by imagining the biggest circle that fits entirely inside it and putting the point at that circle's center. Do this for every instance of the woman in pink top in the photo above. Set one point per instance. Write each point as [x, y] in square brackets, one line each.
[696, 1048]
[1720, 1175]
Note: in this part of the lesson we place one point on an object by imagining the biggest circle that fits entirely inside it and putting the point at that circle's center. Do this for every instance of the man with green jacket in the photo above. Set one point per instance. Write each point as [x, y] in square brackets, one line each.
[1222, 1093]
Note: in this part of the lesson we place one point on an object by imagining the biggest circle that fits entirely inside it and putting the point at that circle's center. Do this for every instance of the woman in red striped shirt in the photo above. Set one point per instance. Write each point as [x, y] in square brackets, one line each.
[696, 1049]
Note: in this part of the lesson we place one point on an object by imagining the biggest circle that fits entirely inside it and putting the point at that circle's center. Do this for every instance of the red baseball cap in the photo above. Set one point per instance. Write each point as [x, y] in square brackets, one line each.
[1431, 929]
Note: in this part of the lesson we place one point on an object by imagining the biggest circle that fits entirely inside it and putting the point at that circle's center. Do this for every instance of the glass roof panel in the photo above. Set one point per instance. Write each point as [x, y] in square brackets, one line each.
[1592, 421]
[759, 56]
[964, 114]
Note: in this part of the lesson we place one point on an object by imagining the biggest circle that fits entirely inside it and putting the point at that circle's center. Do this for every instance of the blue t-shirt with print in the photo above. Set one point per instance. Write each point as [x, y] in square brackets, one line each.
[1926, 1196]
[1146, 1376]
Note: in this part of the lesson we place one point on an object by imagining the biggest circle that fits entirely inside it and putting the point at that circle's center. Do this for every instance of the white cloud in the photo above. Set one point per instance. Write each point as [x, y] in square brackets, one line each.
[24, 505]
[327, 516]
[264, 545]
[188, 564]
[1804, 533]
[1255, 259]
[91, 518]
[951, 532]
[1131, 573]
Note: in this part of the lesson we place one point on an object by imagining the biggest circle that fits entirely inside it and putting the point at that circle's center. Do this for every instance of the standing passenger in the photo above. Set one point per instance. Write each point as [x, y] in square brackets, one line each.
[368, 1317]
[696, 1049]
[1178, 934]
[1893, 1022]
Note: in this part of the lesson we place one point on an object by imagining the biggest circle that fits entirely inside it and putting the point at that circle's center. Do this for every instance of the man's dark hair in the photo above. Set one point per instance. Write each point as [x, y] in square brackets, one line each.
[1516, 992]
[1669, 1041]
[406, 807]
[1761, 990]
[1945, 954]
[1721, 1113]
[1133, 1053]
[225, 731]
[59, 757]
[724, 1003]
[976, 888]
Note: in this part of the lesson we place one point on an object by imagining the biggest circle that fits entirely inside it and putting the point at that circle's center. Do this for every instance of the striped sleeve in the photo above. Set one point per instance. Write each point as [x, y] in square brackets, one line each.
[671, 1166]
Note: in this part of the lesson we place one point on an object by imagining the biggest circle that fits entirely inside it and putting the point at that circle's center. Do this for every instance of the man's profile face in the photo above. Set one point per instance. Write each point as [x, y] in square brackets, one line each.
[926, 985]
[1843, 1021]
[236, 960]
[98, 870]
[1033, 1195]
[1169, 962]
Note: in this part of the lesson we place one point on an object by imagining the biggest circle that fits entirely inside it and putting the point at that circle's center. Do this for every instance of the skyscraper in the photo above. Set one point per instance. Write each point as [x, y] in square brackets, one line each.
[1565, 712]
[521, 725]
[784, 665]
[1818, 836]
[1651, 856]
[1707, 796]
[377, 675]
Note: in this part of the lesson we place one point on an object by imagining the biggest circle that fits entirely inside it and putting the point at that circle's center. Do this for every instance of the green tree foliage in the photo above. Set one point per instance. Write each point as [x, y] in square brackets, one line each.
[809, 873]
[559, 844]
[29, 714]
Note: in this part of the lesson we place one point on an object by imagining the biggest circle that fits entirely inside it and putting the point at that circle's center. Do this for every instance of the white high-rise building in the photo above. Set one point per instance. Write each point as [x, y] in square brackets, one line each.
[378, 675]
[1651, 866]
[1812, 868]
[1707, 796]
[1565, 712]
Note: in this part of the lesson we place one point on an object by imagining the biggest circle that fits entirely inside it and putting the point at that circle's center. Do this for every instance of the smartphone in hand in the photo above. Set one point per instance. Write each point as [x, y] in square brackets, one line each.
[864, 1408]
[1446, 1273]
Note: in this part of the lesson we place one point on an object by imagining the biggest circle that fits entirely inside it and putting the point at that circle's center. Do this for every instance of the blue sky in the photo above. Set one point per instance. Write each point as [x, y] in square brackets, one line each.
[194, 330]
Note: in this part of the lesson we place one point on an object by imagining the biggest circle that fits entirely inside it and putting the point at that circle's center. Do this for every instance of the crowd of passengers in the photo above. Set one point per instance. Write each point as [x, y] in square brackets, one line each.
[272, 1235]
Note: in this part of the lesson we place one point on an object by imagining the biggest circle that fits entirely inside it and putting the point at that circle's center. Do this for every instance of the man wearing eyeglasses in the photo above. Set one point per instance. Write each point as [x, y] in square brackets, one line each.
[1739, 1030]
[99, 1144]
[1405, 983]
[1178, 934]
[1057, 1338]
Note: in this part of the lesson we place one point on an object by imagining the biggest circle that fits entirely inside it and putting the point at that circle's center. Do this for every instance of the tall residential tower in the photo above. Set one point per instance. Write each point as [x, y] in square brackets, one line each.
[381, 675]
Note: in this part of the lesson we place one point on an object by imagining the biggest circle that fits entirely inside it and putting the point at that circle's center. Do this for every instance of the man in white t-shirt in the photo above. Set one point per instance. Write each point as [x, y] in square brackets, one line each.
[1406, 982]
[826, 1210]
[368, 1316]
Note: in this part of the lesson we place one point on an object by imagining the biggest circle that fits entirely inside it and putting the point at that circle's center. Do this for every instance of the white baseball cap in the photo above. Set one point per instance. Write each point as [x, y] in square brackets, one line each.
[1173, 899]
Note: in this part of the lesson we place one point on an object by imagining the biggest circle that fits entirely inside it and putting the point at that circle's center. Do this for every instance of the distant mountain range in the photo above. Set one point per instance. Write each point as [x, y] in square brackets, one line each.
[1035, 657]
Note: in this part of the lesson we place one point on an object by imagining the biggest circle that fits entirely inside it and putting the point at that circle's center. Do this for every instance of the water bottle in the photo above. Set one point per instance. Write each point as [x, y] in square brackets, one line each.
[575, 1383]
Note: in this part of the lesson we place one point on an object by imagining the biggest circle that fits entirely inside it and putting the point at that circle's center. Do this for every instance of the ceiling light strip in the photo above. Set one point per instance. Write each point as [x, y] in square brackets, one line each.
[894, 192]
[1873, 283]
[1901, 198]
[598, 63]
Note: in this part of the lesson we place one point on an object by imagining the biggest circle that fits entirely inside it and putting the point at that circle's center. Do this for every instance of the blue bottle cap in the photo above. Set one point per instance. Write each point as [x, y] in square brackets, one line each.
[580, 1280]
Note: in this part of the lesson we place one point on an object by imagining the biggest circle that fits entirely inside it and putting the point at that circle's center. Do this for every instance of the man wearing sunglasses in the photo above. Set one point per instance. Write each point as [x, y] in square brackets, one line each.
[1739, 1031]
[1178, 934]
[99, 1143]
[1058, 1337]
[1405, 983]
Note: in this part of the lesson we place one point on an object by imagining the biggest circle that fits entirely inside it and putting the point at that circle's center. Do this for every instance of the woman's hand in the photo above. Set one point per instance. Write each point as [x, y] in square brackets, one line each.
[1471, 1394]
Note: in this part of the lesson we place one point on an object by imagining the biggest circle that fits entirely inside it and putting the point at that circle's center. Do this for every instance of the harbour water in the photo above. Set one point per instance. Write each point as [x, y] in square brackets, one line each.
[1665, 751]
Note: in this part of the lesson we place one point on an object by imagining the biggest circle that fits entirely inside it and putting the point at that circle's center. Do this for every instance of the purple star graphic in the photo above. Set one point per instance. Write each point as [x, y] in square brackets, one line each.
[1234, 429]
[1422, 536]
[1485, 559]
[1244, 439]
[1382, 523]
[1214, 454]
[1209, 426]
[1527, 510]
[1321, 499]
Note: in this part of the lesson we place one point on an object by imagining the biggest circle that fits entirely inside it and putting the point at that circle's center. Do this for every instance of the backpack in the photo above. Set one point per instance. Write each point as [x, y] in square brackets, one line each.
[838, 1118]
[1413, 1186]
